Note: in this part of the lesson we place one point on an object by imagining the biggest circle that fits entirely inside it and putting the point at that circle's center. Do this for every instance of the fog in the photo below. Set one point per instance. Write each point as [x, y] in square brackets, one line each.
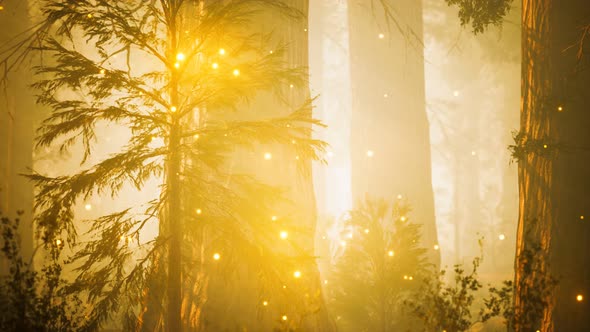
[298, 166]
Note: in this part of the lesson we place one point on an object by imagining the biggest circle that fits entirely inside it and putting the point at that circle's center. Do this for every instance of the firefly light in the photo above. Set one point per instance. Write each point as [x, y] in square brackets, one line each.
[216, 256]
[88, 207]
[297, 274]
[284, 234]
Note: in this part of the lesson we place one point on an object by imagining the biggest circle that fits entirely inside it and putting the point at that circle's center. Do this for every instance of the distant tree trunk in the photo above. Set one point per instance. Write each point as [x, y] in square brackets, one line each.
[390, 139]
[554, 176]
[17, 117]
[235, 304]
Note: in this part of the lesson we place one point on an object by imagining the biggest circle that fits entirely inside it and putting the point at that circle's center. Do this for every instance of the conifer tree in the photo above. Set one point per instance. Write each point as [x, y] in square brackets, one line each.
[377, 269]
[175, 72]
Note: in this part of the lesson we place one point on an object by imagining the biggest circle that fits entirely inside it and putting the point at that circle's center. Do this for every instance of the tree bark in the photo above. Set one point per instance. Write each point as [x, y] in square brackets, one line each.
[17, 127]
[554, 177]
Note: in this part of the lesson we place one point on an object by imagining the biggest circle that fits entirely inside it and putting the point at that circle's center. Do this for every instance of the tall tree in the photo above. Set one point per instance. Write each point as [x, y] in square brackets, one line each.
[302, 302]
[390, 139]
[180, 133]
[552, 151]
[17, 122]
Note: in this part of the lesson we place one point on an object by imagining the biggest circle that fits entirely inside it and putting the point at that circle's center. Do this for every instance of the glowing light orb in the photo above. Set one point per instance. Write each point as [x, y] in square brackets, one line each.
[221, 51]
[173, 109]
[284, 317]
[284, 234]
[268, 156]
[88, 207]
[381, 36]
[370, 153]
[297, 274]
[180, 57]
[216, 256]
[436, 247]
[390, 253]
[58, 242]
[236, 72]
[273, 218]
[502, 237]
[199, 211]
[579, 298]
[265, 303]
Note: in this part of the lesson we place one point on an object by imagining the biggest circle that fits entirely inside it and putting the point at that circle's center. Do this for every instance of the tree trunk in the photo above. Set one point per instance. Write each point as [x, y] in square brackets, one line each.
[554, 177]
[17, 123]
[235, 303]
[390, 139]
[173, 206]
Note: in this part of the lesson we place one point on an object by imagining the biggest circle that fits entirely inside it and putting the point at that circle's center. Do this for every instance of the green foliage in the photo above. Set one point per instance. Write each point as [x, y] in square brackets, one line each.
[377, 270]
[34, 300]
[481, 13]
[535, 287]
[440, 306]
[115, 63]
[500, 302]
[524, 146]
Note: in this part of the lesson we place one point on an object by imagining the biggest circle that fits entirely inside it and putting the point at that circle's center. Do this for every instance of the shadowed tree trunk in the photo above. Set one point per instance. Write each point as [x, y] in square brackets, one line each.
[17, 116]
[554, 177]
[390, 140]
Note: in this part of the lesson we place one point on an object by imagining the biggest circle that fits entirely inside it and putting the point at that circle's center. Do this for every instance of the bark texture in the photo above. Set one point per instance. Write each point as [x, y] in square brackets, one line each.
[554, 177]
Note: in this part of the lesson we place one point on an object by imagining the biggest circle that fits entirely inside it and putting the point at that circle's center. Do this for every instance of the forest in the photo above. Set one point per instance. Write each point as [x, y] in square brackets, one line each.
[295, 165]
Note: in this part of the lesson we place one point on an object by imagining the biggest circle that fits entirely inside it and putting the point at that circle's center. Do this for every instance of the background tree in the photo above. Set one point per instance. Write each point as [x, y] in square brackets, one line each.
[233, 302]
[180, 133]
[550, 148]
[390, 140]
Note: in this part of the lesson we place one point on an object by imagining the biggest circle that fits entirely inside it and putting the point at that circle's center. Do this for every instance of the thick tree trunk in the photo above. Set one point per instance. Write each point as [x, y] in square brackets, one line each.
[235, 303]
[554, 177]
[17, 117]
[390, 140]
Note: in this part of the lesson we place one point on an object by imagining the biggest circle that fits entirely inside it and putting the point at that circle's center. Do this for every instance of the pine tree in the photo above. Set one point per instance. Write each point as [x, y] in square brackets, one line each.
[201, 67]
[376, 271]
